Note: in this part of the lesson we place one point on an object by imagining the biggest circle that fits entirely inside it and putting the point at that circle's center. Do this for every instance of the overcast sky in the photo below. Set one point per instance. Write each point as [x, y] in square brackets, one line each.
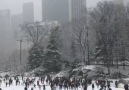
[16, 6]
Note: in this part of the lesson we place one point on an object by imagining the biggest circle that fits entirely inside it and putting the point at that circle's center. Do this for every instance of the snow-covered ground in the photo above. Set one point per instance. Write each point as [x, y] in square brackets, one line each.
[21, 87]
[47, 88]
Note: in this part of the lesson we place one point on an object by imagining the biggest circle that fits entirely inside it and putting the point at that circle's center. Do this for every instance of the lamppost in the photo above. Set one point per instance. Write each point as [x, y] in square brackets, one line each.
[20, 53]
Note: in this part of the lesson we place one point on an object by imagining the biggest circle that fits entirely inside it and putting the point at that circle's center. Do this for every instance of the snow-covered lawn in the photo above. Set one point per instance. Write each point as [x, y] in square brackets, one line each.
[48, 88]
[20, 87]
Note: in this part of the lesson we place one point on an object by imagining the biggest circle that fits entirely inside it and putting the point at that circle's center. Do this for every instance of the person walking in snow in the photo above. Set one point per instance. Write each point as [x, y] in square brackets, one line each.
[39, 87]
[0, 82]
[10, 81]
[97, 84]
[38, 83]
[116, 84]
[85, 85]
[126, 87]
[32, 88]
[7, 82]
[44, 88]
[93, 86]
[108, 84]
[110, 89]
[25, 88]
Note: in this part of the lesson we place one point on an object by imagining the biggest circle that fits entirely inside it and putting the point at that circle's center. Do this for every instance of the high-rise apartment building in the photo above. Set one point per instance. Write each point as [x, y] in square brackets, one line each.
[16, 21]
[6, 35]
[5, 20]
[55, 10]
[28, 12]
[77, 9]
[119, 2]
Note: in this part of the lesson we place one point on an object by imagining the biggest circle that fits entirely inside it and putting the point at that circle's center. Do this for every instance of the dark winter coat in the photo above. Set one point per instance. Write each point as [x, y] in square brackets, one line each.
[32, 89]
[93, 86]
[85, 87]
[110, 89]
[126, 87]
[25, 88]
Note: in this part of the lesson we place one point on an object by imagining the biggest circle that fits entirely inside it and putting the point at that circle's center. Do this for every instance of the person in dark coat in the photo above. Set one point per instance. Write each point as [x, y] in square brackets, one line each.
[108, 85]
[32, 89]
[0, 88]
[37, 83]
[93, 86]
[85, 85]
[25, 88]
[110, 89]
[116, 84]
[126, 87]
[44, 88]
[101, 88]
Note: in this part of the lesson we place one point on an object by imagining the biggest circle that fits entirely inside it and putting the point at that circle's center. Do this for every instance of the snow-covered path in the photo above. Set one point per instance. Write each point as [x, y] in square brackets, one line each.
[13, 87]
[21, 87]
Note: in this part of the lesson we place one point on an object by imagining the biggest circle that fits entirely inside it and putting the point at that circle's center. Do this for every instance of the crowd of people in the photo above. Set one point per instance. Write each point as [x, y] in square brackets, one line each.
[61, 83]
[74, 84]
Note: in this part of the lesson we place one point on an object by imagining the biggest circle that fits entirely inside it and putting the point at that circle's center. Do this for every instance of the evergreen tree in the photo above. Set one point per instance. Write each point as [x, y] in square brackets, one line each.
[52, 55]
[35, 57]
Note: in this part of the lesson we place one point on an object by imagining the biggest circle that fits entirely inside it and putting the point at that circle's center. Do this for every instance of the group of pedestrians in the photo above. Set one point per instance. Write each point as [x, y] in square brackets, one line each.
[74, 84]
[59, 83]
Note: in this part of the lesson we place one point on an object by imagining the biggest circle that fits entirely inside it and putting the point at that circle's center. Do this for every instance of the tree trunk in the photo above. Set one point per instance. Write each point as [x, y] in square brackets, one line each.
[117, 63]
[123, 65]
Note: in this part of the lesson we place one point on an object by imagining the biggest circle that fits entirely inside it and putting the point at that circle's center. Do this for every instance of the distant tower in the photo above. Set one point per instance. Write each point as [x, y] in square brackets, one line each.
[119, 2]
[28, 12]
[77, 8]
[5, 34]
[55, 10]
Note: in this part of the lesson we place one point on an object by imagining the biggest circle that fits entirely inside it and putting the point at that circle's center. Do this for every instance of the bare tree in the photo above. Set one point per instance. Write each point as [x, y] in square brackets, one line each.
[105, 22]
[35, 32]
[79, 31]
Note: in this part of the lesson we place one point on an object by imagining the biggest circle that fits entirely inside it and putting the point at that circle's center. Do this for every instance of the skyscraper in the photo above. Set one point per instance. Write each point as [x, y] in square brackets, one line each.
[55, 10]
[16, 21]
[5, 20]
[120, 2]
[28, 12]
[6, 45]
[77, 8]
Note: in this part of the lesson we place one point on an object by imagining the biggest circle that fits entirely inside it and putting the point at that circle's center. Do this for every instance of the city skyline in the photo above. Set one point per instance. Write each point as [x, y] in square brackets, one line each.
[77, 9]
[28, 12]
[7, 4]
[55, 10]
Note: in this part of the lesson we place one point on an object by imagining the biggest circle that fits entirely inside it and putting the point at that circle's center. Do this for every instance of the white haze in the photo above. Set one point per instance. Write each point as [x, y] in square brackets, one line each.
[16, 6]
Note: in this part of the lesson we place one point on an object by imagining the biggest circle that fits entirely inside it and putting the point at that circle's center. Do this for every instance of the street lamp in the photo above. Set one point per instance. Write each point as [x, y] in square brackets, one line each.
[20, 50]
[20, 54]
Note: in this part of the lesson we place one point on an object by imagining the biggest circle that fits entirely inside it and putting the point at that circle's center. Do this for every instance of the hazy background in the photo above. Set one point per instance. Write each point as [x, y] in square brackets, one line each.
[16, 6]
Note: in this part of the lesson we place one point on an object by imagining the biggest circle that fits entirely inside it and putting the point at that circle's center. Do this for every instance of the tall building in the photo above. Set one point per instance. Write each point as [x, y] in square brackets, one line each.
[55, 10]
[6, 44]
[16, 21]
[77, 8]
[5, 20]
[28, 12]
[119, 2]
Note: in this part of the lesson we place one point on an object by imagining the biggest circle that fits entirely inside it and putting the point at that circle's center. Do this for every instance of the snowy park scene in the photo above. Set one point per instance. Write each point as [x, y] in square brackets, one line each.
[64, 44]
